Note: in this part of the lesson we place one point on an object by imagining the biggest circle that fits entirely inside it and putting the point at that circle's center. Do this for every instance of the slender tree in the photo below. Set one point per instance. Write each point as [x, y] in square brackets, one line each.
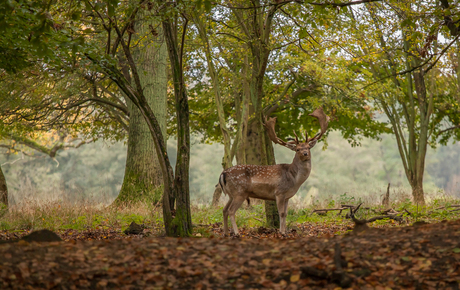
[398, 51]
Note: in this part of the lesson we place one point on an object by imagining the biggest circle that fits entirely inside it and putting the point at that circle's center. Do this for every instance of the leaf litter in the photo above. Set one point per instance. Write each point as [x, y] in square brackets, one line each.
[416, 257]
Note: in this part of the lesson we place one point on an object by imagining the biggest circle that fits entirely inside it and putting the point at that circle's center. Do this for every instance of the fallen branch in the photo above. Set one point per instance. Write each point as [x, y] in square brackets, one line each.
[321, 211]
[260, 220]
[390, 211]
[328, 209]
[445, 207]
[339, 276]
[361, 225]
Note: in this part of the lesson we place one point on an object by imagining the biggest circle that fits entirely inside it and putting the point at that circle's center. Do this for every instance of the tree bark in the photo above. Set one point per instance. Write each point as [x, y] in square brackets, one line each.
[417, 190]
[182, 222]
[143, 177]
[3, 191]
[271, 209]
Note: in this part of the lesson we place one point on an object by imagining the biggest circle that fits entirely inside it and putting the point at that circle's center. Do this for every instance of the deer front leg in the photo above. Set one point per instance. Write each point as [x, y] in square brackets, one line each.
[286, 201]
[282, 210]
[230, 199]
[234, 206]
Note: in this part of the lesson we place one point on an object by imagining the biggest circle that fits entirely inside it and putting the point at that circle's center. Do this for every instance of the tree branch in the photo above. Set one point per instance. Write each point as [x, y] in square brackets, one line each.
[342, 4]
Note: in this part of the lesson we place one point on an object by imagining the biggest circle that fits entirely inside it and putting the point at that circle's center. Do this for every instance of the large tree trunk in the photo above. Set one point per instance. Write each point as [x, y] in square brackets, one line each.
[143, 177]
[3, 190]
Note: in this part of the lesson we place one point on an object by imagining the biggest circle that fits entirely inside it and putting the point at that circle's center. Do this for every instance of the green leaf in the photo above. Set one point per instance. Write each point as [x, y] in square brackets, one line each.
[110, 10]
[303, 32]
[433, 28]
[407, 22]
[207, 5]
[456, 250]
[76, 15]
[88, 7]
[199, 3]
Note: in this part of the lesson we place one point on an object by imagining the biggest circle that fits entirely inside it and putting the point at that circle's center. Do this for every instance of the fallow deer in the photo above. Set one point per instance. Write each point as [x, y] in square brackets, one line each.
[270, 182]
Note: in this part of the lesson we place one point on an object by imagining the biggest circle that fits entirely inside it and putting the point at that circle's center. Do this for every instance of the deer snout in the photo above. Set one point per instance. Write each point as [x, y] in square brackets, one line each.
[305, 154]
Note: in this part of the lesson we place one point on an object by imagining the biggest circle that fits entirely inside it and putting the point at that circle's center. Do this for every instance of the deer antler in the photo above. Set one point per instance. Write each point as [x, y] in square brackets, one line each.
[270, 126]
[323, 122]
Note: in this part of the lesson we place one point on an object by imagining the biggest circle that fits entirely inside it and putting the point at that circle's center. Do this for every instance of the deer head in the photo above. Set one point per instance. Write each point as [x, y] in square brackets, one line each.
[302, 149]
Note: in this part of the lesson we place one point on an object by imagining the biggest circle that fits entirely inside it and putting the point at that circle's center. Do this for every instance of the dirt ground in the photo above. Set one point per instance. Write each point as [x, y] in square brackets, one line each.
[425, 256]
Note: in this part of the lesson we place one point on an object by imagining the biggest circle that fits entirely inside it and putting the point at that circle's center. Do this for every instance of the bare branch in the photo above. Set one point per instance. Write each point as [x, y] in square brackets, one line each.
[342, 4]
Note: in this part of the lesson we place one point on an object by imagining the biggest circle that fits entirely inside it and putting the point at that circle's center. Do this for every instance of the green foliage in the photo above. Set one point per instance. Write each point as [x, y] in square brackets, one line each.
[80, 223]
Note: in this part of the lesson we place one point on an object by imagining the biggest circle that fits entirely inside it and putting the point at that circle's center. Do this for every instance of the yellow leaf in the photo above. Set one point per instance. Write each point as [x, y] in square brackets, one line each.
[295, 278]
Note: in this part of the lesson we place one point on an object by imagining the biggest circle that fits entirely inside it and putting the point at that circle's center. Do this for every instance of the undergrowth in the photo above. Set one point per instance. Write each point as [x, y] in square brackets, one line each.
[58, 215]
[55, 215]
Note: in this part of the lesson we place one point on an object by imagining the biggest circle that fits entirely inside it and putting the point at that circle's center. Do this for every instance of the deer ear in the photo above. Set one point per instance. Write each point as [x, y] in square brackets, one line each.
[312, 143]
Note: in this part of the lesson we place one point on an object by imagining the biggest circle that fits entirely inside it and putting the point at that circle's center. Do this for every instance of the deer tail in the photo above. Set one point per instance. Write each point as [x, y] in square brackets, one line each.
[222, 182]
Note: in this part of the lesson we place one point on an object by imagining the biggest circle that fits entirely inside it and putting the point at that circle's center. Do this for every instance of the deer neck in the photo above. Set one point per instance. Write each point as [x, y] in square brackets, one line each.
[300, 169]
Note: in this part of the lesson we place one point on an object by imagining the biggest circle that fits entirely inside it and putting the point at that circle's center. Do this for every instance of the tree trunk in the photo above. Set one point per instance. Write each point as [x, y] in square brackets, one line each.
[182, 222]
[417, 188]
[3, 191]
[271, 209]
[256, 141]
[143, 177]
[417, 193]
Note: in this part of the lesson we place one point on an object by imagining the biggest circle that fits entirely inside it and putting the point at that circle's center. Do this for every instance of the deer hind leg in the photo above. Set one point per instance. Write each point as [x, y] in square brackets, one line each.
[230, 199]
[235, 205]
[282, 210]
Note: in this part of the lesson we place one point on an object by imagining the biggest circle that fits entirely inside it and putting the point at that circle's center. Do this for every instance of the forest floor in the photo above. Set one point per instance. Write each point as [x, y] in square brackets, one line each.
[421, 256]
